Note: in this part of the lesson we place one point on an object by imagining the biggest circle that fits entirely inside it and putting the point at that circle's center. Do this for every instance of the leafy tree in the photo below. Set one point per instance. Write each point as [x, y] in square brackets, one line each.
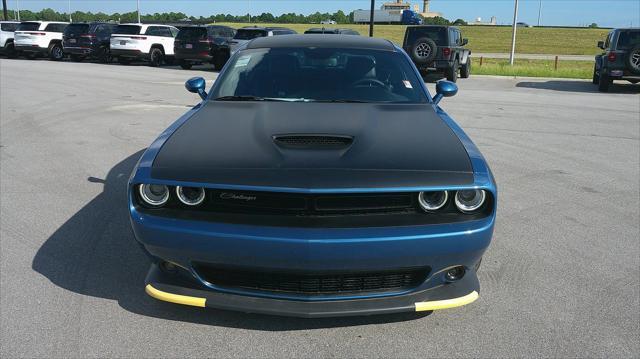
[460, 22]
[593, 25]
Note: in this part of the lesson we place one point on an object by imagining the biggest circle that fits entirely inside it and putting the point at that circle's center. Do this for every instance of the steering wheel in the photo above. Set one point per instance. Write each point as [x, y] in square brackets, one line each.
[370, 82]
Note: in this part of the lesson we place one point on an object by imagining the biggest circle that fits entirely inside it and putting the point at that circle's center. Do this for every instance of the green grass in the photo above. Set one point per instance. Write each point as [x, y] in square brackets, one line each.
[534, 68]
[492, 39]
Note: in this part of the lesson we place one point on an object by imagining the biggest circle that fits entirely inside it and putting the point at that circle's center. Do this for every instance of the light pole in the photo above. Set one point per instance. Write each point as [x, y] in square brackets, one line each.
[70, 11]
[539, 12]
[4, 10]
[373, 7]
[513, 35]
[18, 8]
[138, 8]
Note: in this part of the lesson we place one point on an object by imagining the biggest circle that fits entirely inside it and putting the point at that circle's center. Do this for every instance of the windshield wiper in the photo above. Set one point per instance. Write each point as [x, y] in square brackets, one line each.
[340, 101]
[257, 98]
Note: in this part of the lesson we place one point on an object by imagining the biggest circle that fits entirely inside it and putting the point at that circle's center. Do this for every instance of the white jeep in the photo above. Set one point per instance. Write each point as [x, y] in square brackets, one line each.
[7, 28]
[147, 42]
[33, 38]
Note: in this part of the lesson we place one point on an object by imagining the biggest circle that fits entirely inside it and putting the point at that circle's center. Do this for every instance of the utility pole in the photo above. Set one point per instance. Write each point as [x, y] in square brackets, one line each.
[18, 8]
[513, 36]
[373, 9]
[539, 12]
[70, 20]
[138, 8]
[4, 10]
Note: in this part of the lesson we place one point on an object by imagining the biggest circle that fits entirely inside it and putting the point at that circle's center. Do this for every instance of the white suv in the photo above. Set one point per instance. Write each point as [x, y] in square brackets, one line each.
[33, 38]
[148, 42]
[7, 29]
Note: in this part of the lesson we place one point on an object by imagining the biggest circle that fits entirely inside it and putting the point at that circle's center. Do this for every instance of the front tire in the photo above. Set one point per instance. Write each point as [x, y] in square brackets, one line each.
[452, 73]
[156, 57]
[604, 82]
[596, 76]
[104, 55]
[10, 51]
[55, 52]
[465, 70]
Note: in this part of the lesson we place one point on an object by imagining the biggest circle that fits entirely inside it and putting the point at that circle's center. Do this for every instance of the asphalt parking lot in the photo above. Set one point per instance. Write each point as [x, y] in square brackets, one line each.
[561, 278]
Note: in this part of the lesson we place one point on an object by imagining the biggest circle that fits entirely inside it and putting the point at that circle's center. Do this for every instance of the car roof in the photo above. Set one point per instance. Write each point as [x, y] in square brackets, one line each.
[267, 28]
[147, 25]
[327, 41]
[45, 22]
[9, 22]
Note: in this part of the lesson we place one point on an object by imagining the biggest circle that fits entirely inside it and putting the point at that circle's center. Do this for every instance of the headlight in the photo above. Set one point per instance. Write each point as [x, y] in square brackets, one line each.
[470, 200]
[191, 196]
[154, 194]
[433, 201]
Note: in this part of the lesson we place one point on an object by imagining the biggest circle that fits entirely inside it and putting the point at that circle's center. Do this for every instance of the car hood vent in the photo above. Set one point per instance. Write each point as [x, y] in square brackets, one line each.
[312, 141]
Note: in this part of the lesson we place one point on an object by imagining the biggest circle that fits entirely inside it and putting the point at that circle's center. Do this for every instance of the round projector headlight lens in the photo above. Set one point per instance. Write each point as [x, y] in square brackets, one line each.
[433, 201]
[154, 194]
[470, 200]
[191, 196]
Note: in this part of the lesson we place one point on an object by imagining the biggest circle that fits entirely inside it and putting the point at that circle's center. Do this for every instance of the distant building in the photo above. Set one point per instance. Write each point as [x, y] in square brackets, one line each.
[426, 13]
[397, 5]
[492, 22]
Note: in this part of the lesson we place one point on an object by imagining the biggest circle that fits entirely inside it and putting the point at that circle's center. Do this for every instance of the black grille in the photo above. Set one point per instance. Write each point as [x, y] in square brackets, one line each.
[312, 140]
[314, 284]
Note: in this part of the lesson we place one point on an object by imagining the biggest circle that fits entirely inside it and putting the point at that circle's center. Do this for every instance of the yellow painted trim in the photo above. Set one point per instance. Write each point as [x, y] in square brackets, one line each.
[175, 298]
[447, 303]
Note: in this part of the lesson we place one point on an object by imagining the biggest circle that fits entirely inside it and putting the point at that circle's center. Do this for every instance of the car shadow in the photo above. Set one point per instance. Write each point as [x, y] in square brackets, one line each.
[577, 86]
[95, 254]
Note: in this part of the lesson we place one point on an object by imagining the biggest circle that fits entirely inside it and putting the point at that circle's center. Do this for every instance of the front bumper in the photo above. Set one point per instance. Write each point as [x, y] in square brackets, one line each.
[170, 288]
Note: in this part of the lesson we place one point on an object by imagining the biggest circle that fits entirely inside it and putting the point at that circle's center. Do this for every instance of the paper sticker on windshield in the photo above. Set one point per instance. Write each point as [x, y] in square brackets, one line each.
[407, 84]
[243, 61]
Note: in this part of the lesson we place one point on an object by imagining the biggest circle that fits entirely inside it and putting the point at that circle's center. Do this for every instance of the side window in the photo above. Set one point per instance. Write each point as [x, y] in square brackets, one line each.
[607, 42]
[174, 31]
[152, 31]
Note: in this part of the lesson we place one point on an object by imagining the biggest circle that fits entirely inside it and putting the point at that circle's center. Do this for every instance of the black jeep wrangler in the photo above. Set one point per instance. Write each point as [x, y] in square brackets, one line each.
[438, 49]
[620, 60]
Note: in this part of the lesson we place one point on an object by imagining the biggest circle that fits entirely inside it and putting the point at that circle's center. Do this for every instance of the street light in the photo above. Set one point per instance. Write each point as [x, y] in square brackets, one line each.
[513, 36]
[70, 11]
[18, 8]
[373, 10]
[539, 12]
[138, 8]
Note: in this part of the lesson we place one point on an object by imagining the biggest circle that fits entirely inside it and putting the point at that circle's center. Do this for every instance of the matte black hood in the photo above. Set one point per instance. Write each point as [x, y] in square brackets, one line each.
[394, 145]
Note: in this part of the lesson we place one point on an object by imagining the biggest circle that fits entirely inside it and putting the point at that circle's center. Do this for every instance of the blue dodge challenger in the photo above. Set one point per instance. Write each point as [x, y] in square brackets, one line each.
[317, 178]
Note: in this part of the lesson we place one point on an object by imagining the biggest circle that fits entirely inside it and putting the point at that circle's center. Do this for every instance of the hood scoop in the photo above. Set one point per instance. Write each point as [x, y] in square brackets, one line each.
[312, 141]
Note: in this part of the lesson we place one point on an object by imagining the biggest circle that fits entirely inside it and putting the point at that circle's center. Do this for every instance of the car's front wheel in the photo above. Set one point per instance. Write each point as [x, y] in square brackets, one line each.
[452, 72]
[156, 57]
[10, 51]
[604, 82]
[55, 52]
[465, 70]
[596, 76]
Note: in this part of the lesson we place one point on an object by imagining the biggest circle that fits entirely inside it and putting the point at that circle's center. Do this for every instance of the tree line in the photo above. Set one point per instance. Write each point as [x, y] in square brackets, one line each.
[289, 18]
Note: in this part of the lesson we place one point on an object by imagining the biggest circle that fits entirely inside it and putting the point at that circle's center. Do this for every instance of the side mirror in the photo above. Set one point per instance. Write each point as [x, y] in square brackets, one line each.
[465, 41]
[601, 44]
[444, 89]
[197, 85]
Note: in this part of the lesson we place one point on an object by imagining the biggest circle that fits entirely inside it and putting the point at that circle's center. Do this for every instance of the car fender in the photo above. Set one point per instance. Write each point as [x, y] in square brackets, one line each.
[465, 56]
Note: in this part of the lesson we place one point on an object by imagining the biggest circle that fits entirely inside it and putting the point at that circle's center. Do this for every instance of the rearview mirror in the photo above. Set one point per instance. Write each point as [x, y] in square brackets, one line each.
[445, 89]
[197, 85]
[601, 44]
[465, 41]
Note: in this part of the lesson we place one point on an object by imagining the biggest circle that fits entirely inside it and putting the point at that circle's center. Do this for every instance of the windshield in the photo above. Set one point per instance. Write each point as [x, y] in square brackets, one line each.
[28, 26]
[127, 30]
[77, 29]
[628, 39]
[320, 74]
[244, 34]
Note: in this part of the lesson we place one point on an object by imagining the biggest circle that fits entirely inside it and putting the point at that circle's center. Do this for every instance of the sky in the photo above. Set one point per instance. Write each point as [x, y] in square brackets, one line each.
[606, 13]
